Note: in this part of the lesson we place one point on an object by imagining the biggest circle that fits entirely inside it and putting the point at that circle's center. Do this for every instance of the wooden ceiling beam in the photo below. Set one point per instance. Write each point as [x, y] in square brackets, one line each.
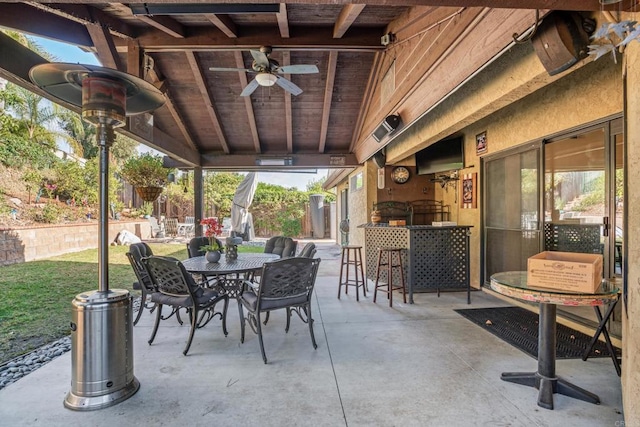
[15, 62]
[288, 116]
[328, 96]
[251, 118]
[306, 38]
[135, 65]
[105, 48]
[283, 21]
[85, 15]
[347, 16]
[31, 20]
[223, 23]
[207, 98]
[577, 5]
[365, 105]
[165, 24]
[155, 78]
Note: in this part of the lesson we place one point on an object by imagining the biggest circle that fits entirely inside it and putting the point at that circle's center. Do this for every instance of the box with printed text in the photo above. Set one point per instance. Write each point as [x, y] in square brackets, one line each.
[565, 271]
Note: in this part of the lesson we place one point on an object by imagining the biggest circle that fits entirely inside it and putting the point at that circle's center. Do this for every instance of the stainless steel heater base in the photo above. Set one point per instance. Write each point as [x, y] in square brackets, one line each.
[102, 350]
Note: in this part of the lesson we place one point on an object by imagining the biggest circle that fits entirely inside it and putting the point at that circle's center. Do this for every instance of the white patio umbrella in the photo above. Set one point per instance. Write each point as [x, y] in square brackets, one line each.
[241, 201]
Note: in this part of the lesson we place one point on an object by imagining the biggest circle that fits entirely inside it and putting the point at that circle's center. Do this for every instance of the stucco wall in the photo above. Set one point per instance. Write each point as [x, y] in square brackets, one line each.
[587, 94]
[29, 244]
[631, 319]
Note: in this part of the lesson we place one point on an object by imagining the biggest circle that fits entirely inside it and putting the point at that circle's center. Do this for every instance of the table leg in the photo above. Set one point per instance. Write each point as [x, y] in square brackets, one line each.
[602, 329]
[545, 379]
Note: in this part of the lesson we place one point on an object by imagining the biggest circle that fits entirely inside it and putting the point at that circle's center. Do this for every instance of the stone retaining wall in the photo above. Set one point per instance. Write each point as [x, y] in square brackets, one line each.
[28, 244]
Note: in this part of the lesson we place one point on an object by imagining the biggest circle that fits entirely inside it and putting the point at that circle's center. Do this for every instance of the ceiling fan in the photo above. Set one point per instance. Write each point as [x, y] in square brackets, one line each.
[268, 72]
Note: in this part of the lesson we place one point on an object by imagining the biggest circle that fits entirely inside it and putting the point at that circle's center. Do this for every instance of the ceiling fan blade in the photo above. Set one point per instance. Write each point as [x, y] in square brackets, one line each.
[251, 87]
[289, 86]
[298, 69]
[228, 69]
[260, 58]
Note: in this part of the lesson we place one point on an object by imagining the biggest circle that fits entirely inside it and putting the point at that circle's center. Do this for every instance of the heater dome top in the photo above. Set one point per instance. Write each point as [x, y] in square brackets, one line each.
[64, 81]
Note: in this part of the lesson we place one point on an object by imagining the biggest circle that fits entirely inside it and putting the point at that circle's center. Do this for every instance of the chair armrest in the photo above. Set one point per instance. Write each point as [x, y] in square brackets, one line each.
[248, 284]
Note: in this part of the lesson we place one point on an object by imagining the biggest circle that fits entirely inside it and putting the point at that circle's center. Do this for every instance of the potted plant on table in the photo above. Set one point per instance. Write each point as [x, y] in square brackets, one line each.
[147, 174]
[212, 229]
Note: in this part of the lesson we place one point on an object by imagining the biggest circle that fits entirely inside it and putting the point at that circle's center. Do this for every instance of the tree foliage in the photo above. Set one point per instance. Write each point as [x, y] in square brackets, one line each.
[315, 187]
[16, 150]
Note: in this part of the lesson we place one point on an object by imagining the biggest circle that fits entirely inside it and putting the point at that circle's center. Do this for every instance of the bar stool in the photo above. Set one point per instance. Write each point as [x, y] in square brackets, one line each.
[393, 260]
[353, 258]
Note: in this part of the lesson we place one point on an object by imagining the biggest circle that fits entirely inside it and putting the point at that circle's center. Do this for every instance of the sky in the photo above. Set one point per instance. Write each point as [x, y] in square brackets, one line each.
[68, 53]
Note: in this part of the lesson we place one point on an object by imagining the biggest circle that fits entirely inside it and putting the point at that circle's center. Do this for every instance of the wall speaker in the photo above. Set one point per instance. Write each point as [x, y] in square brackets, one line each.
[388, 125]
[380, 159]
[560, 41]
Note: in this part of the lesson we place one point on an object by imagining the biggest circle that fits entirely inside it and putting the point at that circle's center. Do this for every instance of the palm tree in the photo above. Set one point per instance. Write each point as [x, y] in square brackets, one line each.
[80, 135]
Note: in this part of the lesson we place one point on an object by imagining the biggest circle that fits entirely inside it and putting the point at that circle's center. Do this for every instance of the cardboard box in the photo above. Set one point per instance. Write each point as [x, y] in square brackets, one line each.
[444, 223]
[565, 271]
[397, 222]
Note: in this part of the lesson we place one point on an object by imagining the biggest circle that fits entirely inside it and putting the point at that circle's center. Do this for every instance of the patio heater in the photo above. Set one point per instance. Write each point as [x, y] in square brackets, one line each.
[101, 326]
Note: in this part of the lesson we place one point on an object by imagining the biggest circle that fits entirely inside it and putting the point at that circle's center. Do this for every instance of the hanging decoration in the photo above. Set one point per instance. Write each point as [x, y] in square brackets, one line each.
[612, 37]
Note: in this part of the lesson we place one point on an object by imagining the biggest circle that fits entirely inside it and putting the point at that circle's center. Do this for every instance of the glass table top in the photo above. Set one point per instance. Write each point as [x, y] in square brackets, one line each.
[514, 284]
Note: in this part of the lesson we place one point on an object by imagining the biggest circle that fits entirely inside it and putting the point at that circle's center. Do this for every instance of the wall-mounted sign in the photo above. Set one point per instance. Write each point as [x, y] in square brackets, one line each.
[469, 199]
[337, 160]
[481, 142]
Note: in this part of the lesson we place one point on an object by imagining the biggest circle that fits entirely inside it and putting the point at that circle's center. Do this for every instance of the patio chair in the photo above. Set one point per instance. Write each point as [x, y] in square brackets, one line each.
[283, 246]
[193, 249]
[308, 251]
[157, 230]
[177, 289]
[137, 251]
[171, 227]
[286, 284]
[194, 245]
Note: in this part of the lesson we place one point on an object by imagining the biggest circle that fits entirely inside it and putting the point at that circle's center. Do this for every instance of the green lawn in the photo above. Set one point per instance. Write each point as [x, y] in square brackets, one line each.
[35, 307]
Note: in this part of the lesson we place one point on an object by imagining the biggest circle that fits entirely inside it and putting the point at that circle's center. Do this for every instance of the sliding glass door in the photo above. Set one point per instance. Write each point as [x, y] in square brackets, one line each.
[583, 197]
[562, 194]
[511, 210]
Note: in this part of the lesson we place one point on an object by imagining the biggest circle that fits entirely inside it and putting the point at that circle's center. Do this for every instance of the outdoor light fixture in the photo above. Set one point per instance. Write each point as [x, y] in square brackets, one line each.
[266, 79]
[275, 161]
[389, 124]
[610, 1]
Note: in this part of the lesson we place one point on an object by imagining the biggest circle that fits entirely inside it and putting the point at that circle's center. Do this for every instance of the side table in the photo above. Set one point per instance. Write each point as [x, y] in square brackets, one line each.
[514, 284]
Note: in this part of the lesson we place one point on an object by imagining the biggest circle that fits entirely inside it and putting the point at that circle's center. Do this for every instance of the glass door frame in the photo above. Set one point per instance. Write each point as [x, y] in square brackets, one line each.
[611, 127]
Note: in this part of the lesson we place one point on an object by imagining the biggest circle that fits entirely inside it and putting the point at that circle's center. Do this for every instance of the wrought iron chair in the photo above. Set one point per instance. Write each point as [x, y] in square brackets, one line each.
[194, 245]
[283, 246]
[308, 251]
[193, 249]
[177, 289]
[137, 251]
[286, 284]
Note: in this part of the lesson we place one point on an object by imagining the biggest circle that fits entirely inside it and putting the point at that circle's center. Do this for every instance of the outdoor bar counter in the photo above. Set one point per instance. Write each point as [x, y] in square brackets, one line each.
[436, 257]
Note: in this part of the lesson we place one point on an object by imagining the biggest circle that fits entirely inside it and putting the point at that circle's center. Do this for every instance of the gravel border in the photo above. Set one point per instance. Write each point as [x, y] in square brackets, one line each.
[21, 366]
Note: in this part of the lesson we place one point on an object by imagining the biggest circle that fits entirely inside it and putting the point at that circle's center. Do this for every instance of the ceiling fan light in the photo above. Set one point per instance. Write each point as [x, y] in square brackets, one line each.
[266, 79]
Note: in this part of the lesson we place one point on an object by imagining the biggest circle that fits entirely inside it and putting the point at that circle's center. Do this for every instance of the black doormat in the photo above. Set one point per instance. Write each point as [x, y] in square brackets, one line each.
[519, 327]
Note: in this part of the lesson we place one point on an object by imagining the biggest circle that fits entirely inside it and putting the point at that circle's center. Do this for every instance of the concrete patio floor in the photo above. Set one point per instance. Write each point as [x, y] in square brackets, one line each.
[410, 365]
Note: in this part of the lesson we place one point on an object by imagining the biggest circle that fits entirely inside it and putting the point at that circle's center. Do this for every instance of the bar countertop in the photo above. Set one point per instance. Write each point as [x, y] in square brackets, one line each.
[410, 227]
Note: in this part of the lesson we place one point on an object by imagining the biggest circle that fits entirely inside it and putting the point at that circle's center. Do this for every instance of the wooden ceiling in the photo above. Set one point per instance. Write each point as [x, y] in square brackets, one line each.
[205, 122]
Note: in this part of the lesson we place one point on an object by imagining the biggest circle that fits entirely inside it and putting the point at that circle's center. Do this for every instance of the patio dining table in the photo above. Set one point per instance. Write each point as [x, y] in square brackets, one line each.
[229, 272]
